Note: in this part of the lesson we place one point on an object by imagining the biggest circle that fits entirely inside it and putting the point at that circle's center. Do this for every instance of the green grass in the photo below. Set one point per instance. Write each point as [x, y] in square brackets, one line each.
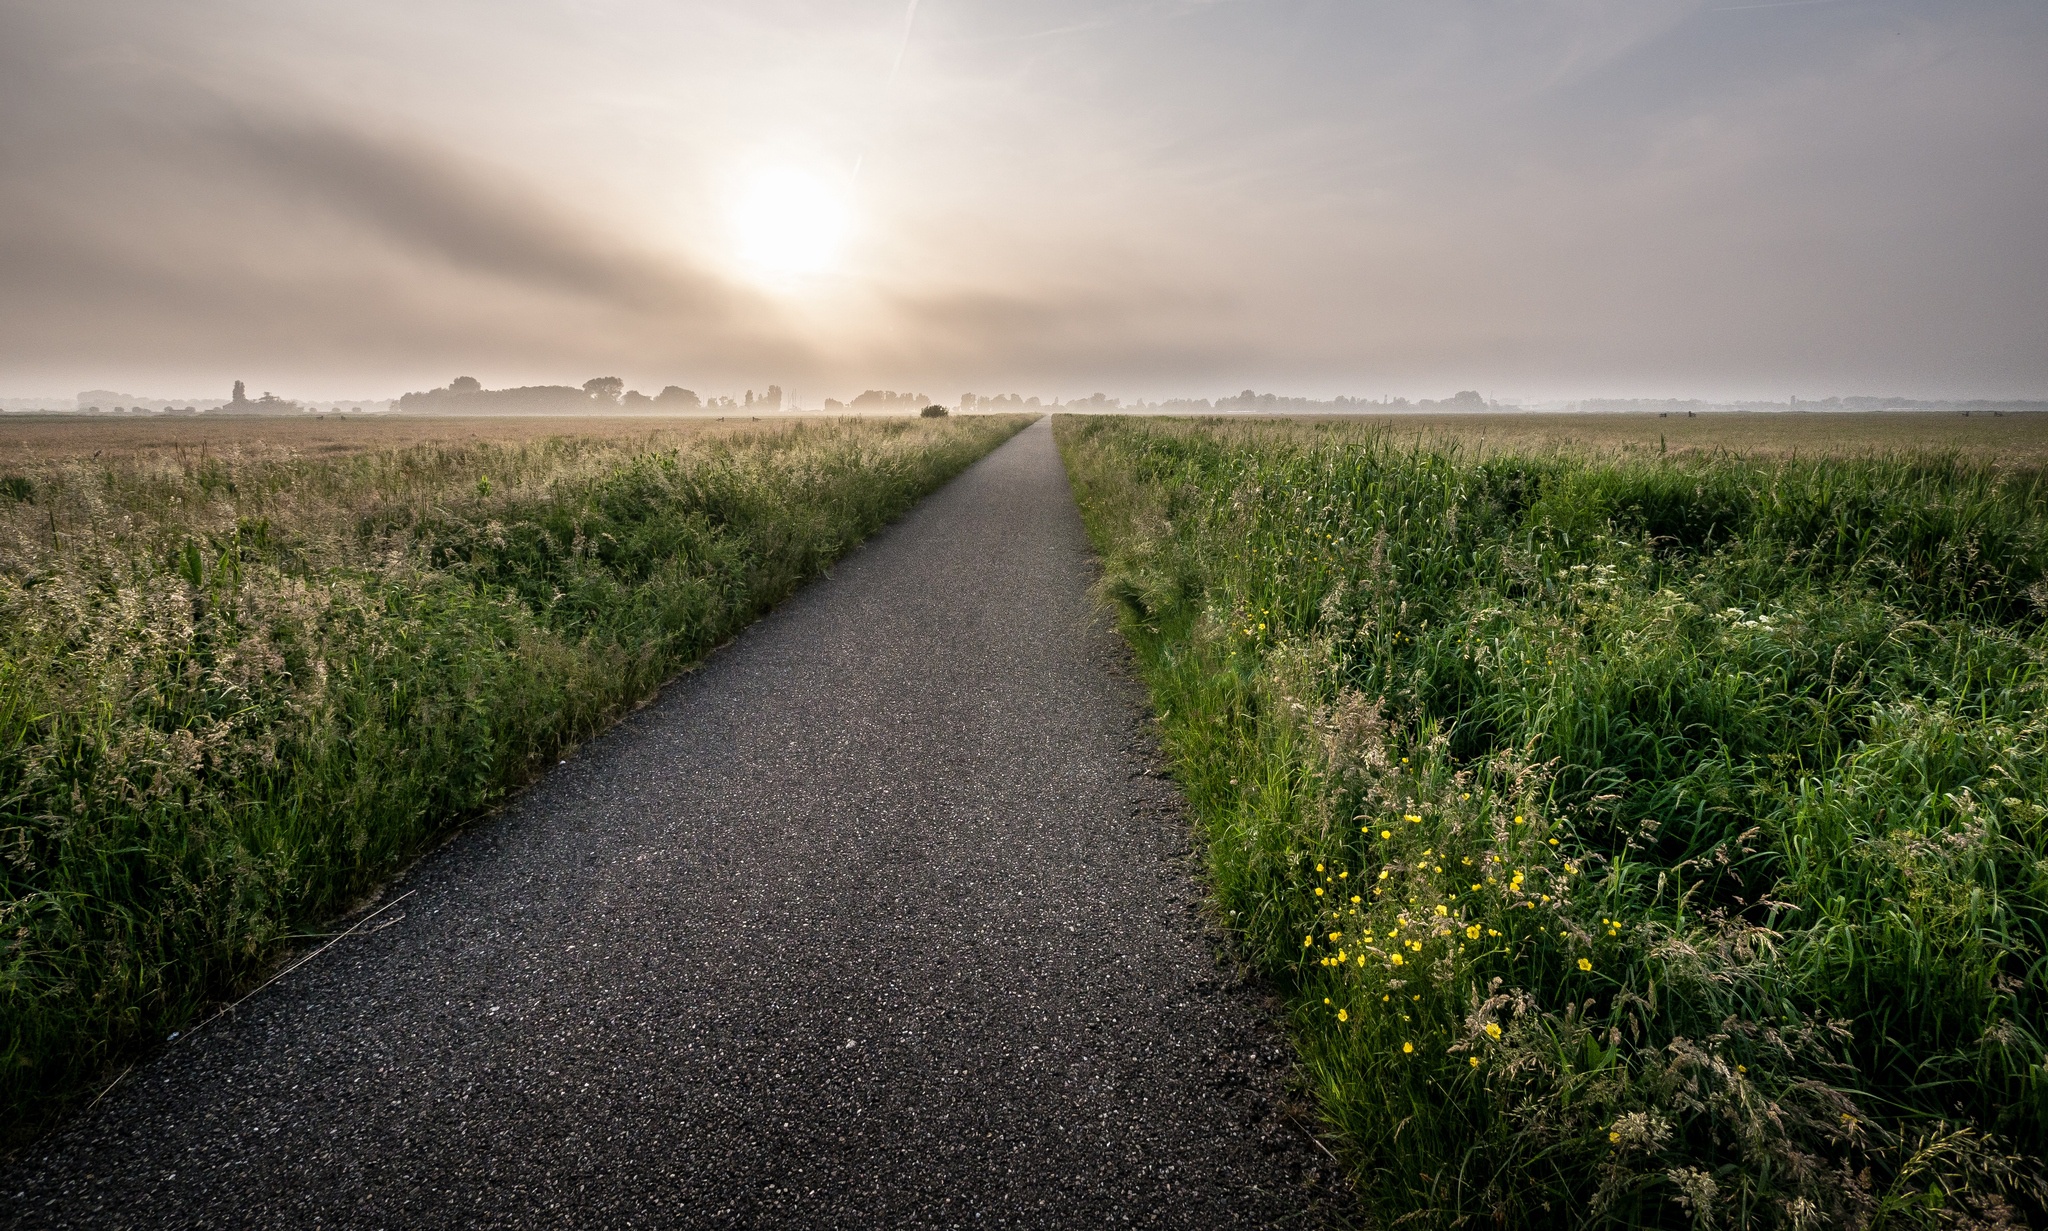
[237, 695]
[1642, 841]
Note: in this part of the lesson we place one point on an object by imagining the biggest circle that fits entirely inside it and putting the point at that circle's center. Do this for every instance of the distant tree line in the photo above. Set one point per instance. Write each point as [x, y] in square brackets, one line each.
[1000, 402]
[466, 395]
[881, 399]
[1251, 402]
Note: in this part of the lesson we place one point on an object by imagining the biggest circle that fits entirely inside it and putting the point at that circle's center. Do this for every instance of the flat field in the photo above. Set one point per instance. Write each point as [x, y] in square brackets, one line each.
[51, 437]
[2015, 439]
[248, 670]
[1644, 838]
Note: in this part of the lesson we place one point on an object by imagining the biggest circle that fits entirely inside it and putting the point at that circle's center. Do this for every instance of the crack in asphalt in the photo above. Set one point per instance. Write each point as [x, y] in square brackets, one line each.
[884, 916]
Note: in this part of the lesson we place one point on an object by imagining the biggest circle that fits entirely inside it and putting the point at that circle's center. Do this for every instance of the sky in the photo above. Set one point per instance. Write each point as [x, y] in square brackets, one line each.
[1153, 198]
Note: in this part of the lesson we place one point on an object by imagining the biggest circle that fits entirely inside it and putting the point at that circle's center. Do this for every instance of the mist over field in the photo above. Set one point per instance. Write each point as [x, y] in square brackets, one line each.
[1159, 200]
[785, 613]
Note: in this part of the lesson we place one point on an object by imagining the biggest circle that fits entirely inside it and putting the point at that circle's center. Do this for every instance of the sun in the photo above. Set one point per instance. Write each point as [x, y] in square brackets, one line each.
[788, 223]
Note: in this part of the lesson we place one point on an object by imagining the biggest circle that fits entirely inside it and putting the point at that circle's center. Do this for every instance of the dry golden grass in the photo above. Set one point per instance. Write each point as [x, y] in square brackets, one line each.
[2016, 438]
[53, 437]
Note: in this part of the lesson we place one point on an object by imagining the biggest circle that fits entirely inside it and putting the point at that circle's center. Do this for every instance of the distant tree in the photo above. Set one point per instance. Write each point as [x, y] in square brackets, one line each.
[773, 398]
[1469, 399]
[241, 394]
[465, 384]
[933, 411]
[604, 389]
[637, 400]
[675, 397]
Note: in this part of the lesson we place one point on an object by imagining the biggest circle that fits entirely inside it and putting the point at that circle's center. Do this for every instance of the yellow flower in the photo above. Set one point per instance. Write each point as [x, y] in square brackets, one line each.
[1306, 941]
[1493, 1030]
[1407, 1048]
[1475, 1062]
[1472, 933]
[1385, 834]
[1343, 1016]
[1614, 1138]
[1585, 964]
[1319, 891]
[1355, 899]
[1396, 959]
[1412, 819]
[1336, 936]
[1441, 909]
[1518, 820]
[1319, 867]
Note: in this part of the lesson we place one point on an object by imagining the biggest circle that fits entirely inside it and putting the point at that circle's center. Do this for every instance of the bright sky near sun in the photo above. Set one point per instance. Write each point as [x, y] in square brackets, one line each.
[1152, 197]
[788, 226]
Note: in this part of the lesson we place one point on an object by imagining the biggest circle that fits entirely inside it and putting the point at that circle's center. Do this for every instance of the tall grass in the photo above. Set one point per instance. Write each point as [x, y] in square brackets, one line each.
[1643, 841]
[238, 693]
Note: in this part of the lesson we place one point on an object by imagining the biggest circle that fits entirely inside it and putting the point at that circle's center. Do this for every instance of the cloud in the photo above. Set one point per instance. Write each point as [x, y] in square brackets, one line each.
[148, 212]
[1563, 196]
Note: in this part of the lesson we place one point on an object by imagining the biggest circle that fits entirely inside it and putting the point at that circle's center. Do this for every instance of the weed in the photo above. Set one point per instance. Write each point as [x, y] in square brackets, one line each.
[1644, 840]
[236, 695]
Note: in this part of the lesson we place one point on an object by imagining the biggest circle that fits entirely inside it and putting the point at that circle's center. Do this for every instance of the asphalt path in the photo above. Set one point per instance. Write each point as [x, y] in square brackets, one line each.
[881, 917]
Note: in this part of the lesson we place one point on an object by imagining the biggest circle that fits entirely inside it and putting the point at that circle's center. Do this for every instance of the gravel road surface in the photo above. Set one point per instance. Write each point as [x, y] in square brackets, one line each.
[880, 918]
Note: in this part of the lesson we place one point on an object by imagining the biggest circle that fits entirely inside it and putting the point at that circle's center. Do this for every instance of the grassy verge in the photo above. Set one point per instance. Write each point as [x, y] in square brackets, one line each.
[235, 695]
[1643, 841]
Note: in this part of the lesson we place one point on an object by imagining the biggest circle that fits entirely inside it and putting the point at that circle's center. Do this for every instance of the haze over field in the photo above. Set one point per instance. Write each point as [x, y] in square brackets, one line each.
[1154, 197]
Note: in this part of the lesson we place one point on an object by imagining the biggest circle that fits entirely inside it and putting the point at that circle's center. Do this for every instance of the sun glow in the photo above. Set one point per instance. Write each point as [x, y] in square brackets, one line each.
[788, 224]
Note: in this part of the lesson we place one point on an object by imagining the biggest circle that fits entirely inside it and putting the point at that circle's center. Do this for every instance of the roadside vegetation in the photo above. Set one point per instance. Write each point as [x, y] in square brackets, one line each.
[238, 693]
[1641, 840]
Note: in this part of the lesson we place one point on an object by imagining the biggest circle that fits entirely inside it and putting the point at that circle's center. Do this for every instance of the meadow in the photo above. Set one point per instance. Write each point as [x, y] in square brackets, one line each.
[249, 672]
[1642, 836]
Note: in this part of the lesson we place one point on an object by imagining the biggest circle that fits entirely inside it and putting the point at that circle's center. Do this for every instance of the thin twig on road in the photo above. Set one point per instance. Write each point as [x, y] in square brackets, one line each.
[337, 939]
